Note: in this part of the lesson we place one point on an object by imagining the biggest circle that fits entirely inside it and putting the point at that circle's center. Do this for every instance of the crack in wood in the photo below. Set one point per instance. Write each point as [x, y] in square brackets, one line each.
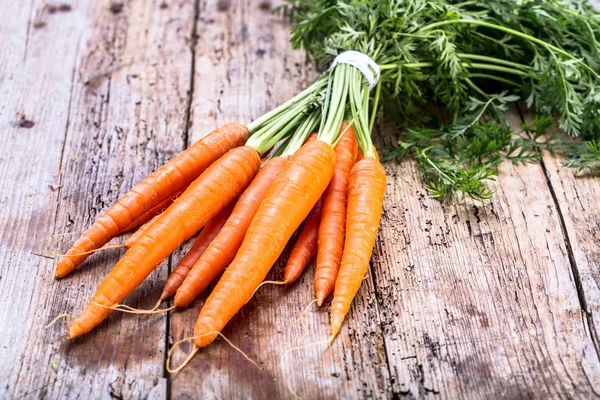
[581, 295]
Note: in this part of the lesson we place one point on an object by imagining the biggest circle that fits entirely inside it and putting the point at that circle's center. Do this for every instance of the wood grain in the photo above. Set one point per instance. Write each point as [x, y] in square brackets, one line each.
[575, 196]
[120, 98]
[463, 300]
[33, 136]
[479, 300]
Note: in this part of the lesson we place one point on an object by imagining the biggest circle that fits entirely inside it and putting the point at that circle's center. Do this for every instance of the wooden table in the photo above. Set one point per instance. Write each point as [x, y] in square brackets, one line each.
[463, 300]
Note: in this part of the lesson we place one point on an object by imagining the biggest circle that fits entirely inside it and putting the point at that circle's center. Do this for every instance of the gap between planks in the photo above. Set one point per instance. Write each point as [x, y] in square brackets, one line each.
[587, 318]
[186, 143]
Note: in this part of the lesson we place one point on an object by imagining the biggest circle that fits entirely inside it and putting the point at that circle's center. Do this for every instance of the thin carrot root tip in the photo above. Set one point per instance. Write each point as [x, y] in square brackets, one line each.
[66, 234]
[195, 350]
[239, 351]
[187, 359]
[120, 246]
[163, 296]
[265, 283]
[320, 301]
[130, 310]
[303, 313]
[67, 317]
[292, 350]
[158, 303]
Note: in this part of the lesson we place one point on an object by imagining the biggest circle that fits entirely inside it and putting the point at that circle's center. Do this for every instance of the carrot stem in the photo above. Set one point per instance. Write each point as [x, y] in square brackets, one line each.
[263, 120]
[279, 127]
[330, 127]
[302, 133]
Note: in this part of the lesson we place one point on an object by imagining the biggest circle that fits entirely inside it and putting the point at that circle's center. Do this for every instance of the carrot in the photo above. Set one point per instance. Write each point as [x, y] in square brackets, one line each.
[137, 234]
[287, 203]
[171, 178]
[333, 217]
[223, 248]
[151, 213]
[204, 239]
[366, 191]
[216, 187]
[305, 247]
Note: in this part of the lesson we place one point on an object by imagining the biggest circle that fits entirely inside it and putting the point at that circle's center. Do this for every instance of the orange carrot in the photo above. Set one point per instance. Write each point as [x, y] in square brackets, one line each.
[218, 186]
[311, 138]
[287, 203]
[305, 247]
[205, 237]
[137, 234]
[169, 179]
[333, 217]
[223, 248]
[151, 213]
[366, 191]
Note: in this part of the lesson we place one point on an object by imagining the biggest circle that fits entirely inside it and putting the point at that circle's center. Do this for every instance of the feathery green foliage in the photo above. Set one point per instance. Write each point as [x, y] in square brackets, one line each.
[471, 58]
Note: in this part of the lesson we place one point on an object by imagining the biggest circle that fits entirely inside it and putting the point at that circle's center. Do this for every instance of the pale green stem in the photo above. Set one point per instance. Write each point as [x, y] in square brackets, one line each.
[495, 78]
[375, 105]
[262, 120]
[304, 130]
[335, 112]
[512, 32]
[494, 60]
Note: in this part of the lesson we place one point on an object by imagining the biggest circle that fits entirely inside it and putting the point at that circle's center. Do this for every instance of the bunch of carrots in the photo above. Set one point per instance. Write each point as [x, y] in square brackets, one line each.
[248, 189]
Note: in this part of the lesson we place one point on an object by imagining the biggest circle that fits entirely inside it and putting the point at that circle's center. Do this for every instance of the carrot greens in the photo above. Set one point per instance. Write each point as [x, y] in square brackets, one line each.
[471, 59]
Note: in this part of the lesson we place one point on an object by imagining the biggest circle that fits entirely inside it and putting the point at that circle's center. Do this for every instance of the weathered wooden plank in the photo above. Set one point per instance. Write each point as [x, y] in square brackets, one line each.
[464, 300]
[479, 300]
[128, 100]
[34, 108]
[576, 196]
[244, 67]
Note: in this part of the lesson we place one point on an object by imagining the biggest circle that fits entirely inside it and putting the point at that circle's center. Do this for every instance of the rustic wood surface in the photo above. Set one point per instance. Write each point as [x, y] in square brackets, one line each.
[463, 300]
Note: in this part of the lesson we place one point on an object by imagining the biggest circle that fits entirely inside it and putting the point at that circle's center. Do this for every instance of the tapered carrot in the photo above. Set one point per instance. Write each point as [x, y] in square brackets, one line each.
[137, 234]
[210, 231]
[216, 187]
[366, 191]
[151, 213]
[286, 204]
[305, 247]
[223, 248]
[333, 217]
[169, 179]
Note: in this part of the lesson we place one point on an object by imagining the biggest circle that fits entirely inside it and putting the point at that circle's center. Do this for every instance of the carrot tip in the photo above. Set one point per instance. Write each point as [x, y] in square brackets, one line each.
[320, 301]
[63, 268]
[73, 333]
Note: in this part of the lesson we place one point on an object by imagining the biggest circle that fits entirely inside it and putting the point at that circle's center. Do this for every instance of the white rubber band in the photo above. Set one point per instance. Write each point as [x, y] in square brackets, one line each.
[362, 62]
